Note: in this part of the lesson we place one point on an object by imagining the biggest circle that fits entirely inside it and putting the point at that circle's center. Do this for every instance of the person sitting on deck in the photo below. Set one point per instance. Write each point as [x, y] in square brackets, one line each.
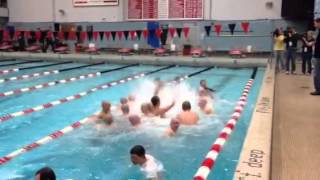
[156, 110]
[187, 117]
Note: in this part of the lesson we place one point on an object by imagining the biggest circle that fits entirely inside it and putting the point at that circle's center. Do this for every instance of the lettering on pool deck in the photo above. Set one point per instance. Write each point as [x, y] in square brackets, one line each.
[254, 161]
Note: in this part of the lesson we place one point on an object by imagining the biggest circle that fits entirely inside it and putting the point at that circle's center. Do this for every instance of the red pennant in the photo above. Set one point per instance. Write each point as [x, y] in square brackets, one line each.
[186, 31]
[133, 35]
[6, 35]
[158, 32]
[18, 33]
[83, 36]
[145, 33]
[218, 29]
[38, 35]
[95, 35]
[72, 35]
[61, 35]
[245, 26]
[107, 34]
[49, 35]
[27, 34]
[120, 34]
[172, 32]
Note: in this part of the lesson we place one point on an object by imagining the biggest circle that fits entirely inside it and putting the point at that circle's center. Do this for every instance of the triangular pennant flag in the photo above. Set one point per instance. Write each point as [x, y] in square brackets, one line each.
[208, 30]
[38, 35]
[101, 33]
[145, 33]
[55, 34]
[78, 35]
[11, 33]
[126, 34]
[83, 36]
[179, 30]
[60, 35]
[27, 34]
[120, 34]
[172, 32]
[66, 35]
[139, 32]
[133, 35]
[164, 36]
[72, 35]
[6, 35]
[186, 31]
[107, 34]
[113, 34]
[158, 33]
[231, 28]
[89, 35]
[245, 26]
[49, 35]
[17, 34]
[95, 36]
[218, 28]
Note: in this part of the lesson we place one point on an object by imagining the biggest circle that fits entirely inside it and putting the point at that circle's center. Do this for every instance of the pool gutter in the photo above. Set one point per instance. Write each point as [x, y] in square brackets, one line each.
[255, 157]
[143, 59]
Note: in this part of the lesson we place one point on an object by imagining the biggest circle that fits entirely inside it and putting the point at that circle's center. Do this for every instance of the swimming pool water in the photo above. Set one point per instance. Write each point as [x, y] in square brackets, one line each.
[90, 154]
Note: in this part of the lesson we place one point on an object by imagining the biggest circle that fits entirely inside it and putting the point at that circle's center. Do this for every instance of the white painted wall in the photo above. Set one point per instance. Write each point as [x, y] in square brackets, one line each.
[30, 10]
[88, 14]
[245, 9]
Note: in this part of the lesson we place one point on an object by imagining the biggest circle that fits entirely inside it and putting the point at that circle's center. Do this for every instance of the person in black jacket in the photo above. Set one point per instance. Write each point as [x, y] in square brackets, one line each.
[291, 40]
[307, 48]
[316, 61]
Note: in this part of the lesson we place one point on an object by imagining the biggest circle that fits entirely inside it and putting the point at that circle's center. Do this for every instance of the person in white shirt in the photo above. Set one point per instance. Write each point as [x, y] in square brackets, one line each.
[150, 167]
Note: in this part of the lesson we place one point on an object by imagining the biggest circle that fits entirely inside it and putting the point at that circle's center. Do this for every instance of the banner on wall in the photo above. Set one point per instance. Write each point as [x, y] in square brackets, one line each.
[82, 3]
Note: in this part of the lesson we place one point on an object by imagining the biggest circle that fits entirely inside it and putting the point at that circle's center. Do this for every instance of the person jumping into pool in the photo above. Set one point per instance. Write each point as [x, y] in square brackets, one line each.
[205, 89]
[150, 166]
[105, 115]
[159, 86]
[45, 173]
[187, 117]
[174, 126]
[156, 110]
[205, 105]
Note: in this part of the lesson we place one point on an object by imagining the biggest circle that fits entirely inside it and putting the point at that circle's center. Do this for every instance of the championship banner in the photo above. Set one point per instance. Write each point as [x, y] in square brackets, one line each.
[83, 3]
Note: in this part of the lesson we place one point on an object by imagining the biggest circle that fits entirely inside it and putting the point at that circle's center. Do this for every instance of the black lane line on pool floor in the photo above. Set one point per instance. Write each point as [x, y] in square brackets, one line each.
[78, 67]
[79, 95]
[4, 65]
[46, 65]
[6, 60]
[57, 82]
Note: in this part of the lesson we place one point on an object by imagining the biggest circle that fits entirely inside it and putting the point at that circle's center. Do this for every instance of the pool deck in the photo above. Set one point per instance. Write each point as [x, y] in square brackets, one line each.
[296, 134]
[143, 59]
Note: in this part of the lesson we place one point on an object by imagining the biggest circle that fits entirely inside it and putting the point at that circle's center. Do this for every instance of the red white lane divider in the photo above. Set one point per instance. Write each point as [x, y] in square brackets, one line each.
[44, 140]
[8, 71]
[69, 98]
[26, 76]
[49, 84]
[217, 146]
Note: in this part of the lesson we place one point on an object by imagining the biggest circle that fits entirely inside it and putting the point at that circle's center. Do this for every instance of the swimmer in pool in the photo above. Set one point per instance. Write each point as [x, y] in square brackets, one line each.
[204, 89]
[105, 115]
[146, 109]
[150, 166]
[172, 130]
[187, 117]
[134, 120]
[156, 110]
[206, 105]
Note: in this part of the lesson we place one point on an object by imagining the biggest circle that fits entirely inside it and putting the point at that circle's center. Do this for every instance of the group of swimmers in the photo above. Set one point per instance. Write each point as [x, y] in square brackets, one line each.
[154, 109]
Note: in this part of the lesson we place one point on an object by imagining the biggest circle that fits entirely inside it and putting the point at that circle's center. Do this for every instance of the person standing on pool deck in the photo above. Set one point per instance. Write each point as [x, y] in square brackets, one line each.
[291, 41]
[307, 47]
[150, 166]
[45, 173]
[279, 48]
[156, 110]
[316, 61]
